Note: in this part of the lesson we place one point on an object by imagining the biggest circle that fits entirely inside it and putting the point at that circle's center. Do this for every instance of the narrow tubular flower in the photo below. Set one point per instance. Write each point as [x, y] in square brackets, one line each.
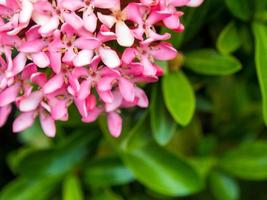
[55, 53]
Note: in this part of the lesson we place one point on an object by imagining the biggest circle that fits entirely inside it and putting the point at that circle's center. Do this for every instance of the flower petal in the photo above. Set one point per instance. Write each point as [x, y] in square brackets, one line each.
[23, 121]
[54, 84]
[4, 113]
[9, 95]
[114, 124]
[124, 35]
[30, 102]
[83, 58]
[127, 89]
[109, 57]
[48, 124]
[40, 59]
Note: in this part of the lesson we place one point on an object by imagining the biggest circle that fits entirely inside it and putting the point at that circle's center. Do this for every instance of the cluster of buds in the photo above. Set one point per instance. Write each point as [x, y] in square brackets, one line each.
[90, 53]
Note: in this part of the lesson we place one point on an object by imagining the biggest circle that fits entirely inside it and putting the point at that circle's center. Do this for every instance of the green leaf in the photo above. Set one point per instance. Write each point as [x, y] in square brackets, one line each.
[246, 38]
[108, 171]
[193, 20]
[106, 195]
[179, 97]
[260, 32]
[240, 9]
[223, 187]
[72, 188]
[163, 126]
[229, 39]
[161, 171]
[138, 136]
[248, 161]
[202, 165]
[37, 188]
[59, 160]
[210, 62]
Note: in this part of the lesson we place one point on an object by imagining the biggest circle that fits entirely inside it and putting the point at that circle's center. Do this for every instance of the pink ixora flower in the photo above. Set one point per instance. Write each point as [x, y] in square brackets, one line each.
[90, 53]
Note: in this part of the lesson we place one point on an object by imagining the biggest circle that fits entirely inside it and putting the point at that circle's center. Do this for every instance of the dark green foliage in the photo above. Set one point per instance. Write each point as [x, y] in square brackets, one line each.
[202, 138]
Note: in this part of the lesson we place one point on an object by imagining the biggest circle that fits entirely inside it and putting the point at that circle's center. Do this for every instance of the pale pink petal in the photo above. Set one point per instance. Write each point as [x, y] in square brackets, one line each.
[23, 121]
[106, 96]
[107, 4]
[40, 59]
[30, 102]
[89, 20]
[172, 22]
[83, 58]
[74, 20]
[81, 106]
[195, 3]
[149, 68]
[129, 55]
[114, 124]
[92, 115]
[124, 35]
[126, 88]
[4, 113]
[105, 83]
[48, 124]
[26, 11]
[109, 57]
[86, 43]
[32, 46]
[179, 3]
[19, 63]
[115, 103]
[163, 51]
[54, 84]
[51, 25]
[85, 90]
[108, 20]
[9, 95]
[59, 110]
[55, 61]
[69, 56]
[142, 98]
[71, 5]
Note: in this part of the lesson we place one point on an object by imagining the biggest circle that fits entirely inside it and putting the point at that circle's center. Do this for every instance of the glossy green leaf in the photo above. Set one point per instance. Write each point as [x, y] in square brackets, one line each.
[58, 160]
[138, 136]
[72, 189]
[260, 32]
[210, 62]
[37, 188]
[179, 97]
[241, 8]
[161, 171]
[223, 187]
[229, 39]
[108, 171]
[248, 161]
[163, 126]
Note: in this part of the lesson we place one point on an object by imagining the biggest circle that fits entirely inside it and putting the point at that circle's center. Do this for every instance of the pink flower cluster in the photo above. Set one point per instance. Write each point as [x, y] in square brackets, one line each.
[92, 53]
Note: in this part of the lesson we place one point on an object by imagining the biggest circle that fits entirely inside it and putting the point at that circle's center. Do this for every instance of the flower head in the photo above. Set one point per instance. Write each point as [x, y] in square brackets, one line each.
[64, 56]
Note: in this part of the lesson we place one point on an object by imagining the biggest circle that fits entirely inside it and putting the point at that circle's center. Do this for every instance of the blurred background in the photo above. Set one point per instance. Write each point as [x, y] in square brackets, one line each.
[203, 137]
